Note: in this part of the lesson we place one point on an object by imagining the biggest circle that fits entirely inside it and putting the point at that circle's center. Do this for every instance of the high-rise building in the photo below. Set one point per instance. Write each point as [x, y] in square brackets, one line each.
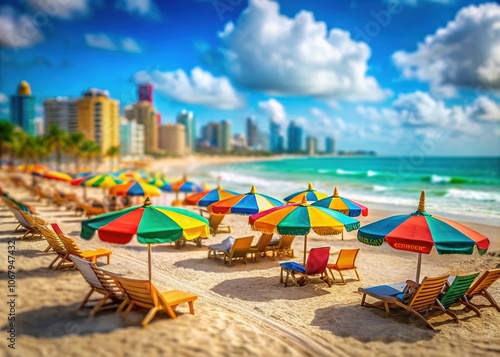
[294, 137]
[131, 138]
[145, 92]
[311, 145]
[226, 136]
[98, 118]
[22, 108]
[211, 133]
[39, 129]
[144, 113]
[251, 132]
[329, 145]
[274, 136]
[173, 139]
[62, 112]
[187, 119]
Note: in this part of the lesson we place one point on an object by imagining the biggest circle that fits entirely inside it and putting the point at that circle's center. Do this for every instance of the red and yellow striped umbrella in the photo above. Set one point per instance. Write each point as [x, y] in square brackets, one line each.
[135, 188]
[57, 175]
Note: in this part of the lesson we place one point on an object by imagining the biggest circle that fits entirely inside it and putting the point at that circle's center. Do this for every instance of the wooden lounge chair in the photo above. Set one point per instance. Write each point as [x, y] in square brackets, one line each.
[32, 222]
[99, 282]
[417, 302]
[315, 265]
[480, 286]
[41, 194]
[216, 227]
[239, 250]
[74, 249]
[283, 247]
[143, 293]
[262, 246]
[455, 292]
[346, 260]
[58, 248]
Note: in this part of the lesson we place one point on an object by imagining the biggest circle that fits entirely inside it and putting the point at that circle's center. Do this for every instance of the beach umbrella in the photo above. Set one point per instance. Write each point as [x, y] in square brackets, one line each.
[37, 169]
[342, 205]
[58, 176]
[419, 231]
[135, 188]
[207, 197]
[182, 185]
[245, 204]
[101, 181]
[150, 224]
[158, 182]
[298, 219]
[311, 195]
[131, 175]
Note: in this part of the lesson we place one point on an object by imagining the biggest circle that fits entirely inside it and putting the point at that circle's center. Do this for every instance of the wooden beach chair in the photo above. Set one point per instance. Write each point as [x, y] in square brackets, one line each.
[315, 265]
[480, 288]
[142, 293]
[59, 249]
[74, 249]
[262, 246]
[99, 282]
[33, 222]
[346, 260]
[283, 247]
[455, 292]
[239, 250]
[418, 302]
[41, 194]
[215, 224]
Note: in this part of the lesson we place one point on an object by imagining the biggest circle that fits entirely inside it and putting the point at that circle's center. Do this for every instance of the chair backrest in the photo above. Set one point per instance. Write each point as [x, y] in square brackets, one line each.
[427, 293]
[53, 240]
[142, 292]
[457, 289]
[109, 282]
[286, 242]
[21, 218]
[215, 219]
[347, 258]
[317, 260]
[484, 282]
[264, 241]
[70, 245]
[240, 247]
[84, 266]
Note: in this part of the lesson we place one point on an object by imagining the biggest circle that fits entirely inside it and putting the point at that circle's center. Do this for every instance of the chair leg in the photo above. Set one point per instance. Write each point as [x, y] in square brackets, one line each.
[467, 304]
[122, 306]
[82, 304]
[128, 309]
[357, 275]
[281, 275]
[108, 258]
[47, 249]
[99, 305]
[341, 276]
[331, 273]
[492, 301]
[149, 316]
[55, 260]
[191, 307]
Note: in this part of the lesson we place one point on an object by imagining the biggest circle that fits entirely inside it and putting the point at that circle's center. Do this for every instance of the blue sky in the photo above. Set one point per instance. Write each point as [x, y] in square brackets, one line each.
[413, 77]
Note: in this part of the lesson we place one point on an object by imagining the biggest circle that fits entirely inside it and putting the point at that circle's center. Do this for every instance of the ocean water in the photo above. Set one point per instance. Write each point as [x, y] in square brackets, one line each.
[464, 186]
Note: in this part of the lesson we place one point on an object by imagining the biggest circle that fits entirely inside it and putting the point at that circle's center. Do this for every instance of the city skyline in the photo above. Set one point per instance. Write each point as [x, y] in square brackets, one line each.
[365, 73]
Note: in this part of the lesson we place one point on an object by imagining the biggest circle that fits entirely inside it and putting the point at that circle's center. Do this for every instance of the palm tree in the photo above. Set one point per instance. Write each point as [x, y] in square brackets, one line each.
[6, 131]
[90, 150]
[73, 145]
[17, 144]
[56, 140]
[112, 152]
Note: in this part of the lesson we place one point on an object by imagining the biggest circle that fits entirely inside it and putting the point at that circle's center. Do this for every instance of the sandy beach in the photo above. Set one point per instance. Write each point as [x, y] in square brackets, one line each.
[241, 310]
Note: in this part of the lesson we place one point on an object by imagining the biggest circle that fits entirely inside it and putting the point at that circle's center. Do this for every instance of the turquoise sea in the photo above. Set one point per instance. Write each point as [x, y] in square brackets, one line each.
[464, 186]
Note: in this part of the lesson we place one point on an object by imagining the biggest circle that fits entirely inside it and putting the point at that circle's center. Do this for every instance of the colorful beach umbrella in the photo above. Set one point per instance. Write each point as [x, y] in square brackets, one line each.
[342, 205]
[58, 176]
[206, 198]
[245, 204]
[299, 219]
[158, 182]
[150, 224]
[182, 185]
[310, 194]
[131, 175]
[135, 188]
[101, 181]
[420, 231]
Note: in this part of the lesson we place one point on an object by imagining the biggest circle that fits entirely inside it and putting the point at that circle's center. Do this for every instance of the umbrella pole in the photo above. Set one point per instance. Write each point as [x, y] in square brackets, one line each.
[149, 261]
[342, 233]
[305, 249]
[419, 264]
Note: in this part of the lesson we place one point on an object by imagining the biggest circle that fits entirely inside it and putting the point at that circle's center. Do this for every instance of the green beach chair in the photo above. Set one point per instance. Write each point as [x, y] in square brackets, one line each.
[456, 294]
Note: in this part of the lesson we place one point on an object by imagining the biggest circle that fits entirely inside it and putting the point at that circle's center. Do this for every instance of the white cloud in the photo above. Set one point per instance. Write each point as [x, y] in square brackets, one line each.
[66, 9]
[323, 119]
[464, 54]
[145, 8]
[485, 109]
[3, 98]
[418, 2]
[274, 110]
[17, 30]
[105, 42]
[270, 52]
[199, 87]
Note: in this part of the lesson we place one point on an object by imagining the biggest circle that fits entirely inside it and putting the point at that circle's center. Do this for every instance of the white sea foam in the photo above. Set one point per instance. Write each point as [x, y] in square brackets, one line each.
[440, 179]
[379, 188]
[346, 172]
[371, 173]
[472, 195]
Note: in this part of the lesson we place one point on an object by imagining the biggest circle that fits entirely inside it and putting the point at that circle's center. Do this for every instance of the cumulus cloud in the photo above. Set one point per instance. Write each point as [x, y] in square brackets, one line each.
[464, 54]
[267, 51]
[274, 110]
[198, 87]
[105, 42]
[17, 30]
[146, 8]
[65, 10]
[3, 98]
[418, 2]
[485, 109]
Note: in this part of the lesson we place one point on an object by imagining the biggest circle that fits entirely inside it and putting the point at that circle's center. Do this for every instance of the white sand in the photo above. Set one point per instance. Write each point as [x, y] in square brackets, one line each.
[241, 310]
